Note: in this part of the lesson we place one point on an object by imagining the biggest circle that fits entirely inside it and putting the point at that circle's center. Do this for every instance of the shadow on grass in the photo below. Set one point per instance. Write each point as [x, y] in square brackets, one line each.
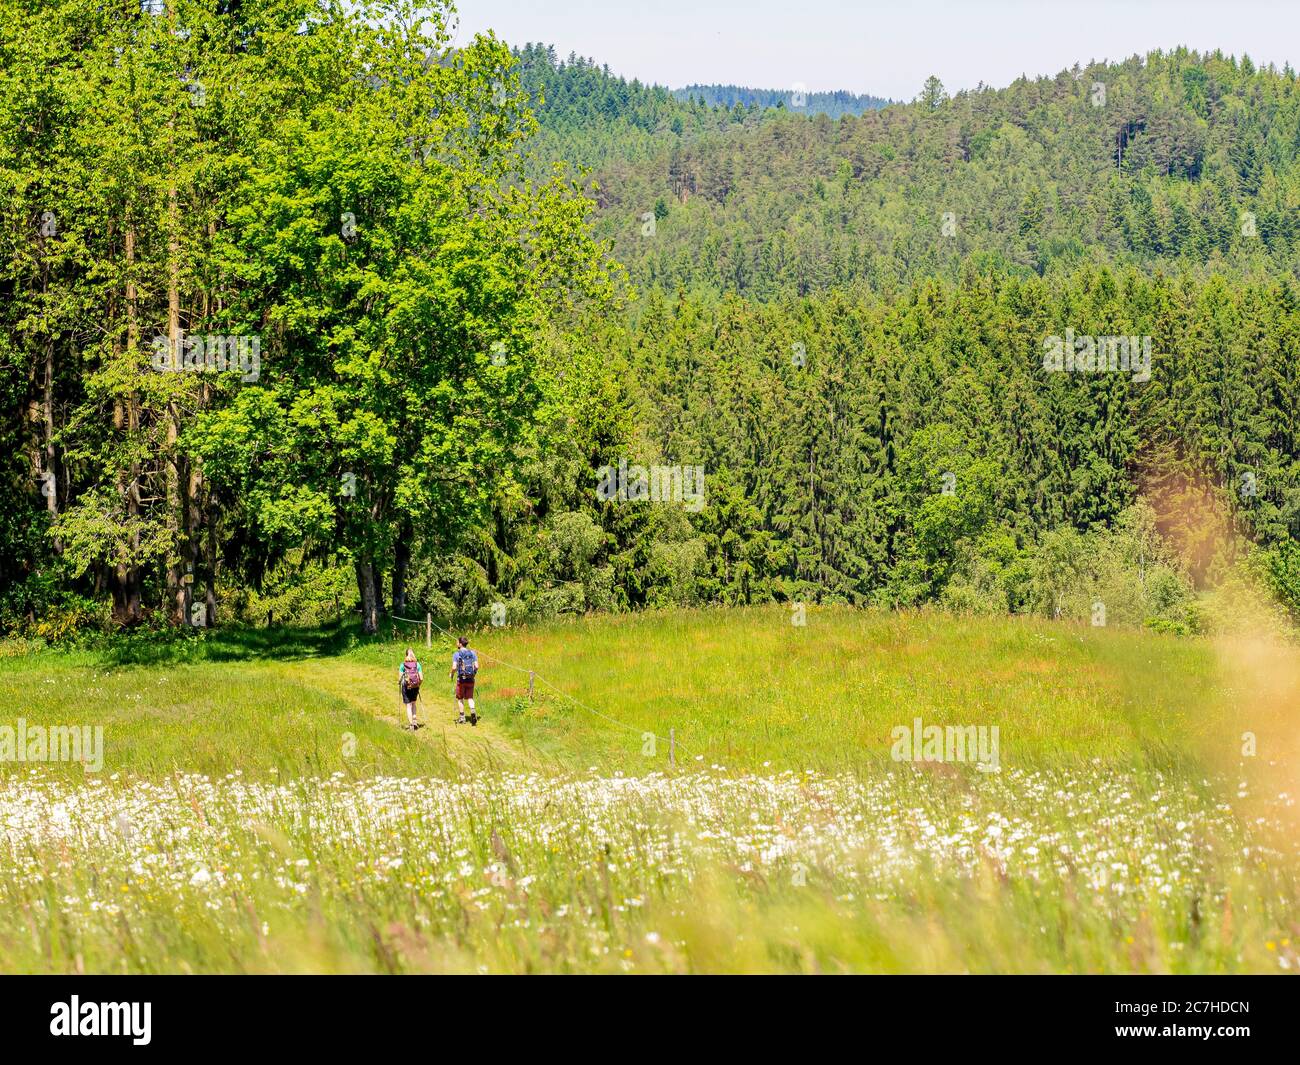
[232, 644]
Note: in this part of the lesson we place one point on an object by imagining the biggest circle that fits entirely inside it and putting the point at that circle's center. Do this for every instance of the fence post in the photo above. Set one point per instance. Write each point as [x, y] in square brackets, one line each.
[428, 629]
[530, 685]
[672, 747]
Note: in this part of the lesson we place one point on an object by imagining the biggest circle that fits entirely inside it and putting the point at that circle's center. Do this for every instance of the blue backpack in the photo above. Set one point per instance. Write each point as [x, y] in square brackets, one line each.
[466, 664]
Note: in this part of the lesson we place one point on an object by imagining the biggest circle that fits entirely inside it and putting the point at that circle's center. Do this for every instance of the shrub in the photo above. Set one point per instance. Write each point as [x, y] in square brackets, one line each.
[1278, 567]
[296, 592]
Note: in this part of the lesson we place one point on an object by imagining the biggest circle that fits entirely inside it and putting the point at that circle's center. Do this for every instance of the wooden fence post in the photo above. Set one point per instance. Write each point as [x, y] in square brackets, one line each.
[428, 629]
[530, 685]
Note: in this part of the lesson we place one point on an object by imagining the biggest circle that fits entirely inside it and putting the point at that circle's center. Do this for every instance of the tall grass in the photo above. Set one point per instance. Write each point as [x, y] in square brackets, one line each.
[259, 809]
[744, 688]
[709, 872]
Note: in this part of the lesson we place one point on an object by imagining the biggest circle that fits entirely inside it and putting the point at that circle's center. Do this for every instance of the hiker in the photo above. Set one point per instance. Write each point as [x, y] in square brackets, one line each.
[410, 675]
[464, 667]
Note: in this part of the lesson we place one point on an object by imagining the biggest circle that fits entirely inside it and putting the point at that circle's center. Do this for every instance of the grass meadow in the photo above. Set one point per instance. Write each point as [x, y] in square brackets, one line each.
[259, 809]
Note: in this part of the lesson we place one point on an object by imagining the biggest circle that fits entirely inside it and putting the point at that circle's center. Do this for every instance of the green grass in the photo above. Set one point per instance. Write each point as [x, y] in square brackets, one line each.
[259, 810]
[746, 688]
[742, 688]
[258, 702]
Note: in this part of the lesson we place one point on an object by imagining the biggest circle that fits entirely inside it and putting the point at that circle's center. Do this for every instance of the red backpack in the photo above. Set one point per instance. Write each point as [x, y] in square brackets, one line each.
[411, 675]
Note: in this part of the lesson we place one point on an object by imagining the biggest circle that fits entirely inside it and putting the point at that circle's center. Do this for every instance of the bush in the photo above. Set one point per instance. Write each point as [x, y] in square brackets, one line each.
[73, 617]
[63, 617]
[1125, 575]
[296, 592]
[1278, 567]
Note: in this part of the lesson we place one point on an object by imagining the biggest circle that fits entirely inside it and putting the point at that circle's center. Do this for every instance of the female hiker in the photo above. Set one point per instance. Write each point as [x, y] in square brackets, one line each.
[410, 674]
[464, 667]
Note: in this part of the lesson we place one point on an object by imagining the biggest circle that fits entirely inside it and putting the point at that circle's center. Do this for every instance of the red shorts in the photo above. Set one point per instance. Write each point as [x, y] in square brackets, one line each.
[465, 688]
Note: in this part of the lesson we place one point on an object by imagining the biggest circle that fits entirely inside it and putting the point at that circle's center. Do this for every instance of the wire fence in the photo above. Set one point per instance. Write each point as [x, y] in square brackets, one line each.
[671, 739]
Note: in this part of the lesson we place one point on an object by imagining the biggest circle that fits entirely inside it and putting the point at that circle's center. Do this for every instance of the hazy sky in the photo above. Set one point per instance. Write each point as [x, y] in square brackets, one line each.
[887, 49]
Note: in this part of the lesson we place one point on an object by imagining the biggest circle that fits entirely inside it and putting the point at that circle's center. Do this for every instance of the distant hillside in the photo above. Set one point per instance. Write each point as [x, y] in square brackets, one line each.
[837, 316]
[1178, 159]
[578, 92]
[1174, 159]
[831, 104]
[589, 116]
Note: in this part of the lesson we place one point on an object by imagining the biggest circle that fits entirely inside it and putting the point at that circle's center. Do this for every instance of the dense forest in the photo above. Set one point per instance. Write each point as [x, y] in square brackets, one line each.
[451, 286]
[796, 98]
[913, 448]
[1169, 160]
[272, 284]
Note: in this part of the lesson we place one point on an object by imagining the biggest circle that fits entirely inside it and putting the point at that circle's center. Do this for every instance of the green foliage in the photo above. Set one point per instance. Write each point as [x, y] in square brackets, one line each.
[66, 617]
[1279, 567]
[340, 191]
[296, 591]
[1188, 160]
[840, 320]
[864, 475]
[734, 97]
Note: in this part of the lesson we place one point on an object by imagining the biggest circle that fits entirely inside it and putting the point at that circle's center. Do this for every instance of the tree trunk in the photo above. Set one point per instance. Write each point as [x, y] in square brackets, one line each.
[369, 598]
[124, 586]
[50, 484]
[178, 589]
[210, 567]
[203, 530]
[401, 563]
[126, 575]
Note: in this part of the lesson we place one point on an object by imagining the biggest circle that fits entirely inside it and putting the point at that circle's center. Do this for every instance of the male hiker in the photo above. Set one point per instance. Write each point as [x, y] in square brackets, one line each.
[464, 667]
[410, 674]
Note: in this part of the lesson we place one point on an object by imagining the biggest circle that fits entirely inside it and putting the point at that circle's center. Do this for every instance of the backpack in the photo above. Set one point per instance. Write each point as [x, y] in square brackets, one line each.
[411, 676]
[466, 664]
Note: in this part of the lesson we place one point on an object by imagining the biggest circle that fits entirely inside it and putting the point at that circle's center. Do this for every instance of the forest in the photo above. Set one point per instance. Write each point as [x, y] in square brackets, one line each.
[310, 313]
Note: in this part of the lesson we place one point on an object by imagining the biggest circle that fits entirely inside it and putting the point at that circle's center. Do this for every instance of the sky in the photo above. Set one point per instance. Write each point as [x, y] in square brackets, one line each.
[885, 49]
